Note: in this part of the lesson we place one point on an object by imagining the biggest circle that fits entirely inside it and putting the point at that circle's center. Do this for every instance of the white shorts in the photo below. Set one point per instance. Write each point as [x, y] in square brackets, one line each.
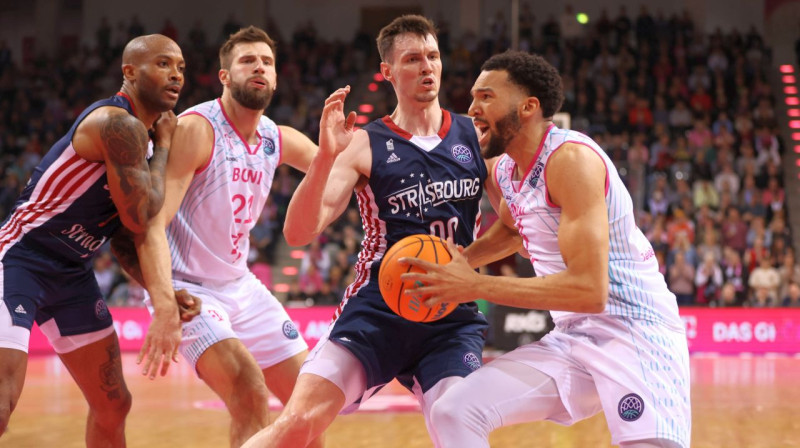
[242, 309]
[636, 371]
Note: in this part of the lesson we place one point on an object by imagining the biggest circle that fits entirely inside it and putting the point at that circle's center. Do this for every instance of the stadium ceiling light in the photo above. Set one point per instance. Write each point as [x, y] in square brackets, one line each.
[787, 68]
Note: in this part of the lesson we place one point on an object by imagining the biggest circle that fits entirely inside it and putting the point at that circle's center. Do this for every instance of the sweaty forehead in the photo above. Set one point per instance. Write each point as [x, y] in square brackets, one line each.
[410, 42]
[260, 49]
[494, 80]
[143, 48]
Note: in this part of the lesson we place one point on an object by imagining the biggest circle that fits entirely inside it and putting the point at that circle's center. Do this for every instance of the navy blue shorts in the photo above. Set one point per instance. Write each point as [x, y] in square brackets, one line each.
[37, 287]
[390, 346]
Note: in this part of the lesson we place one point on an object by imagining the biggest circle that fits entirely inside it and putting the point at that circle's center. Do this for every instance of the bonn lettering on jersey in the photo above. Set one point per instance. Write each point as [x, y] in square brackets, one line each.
[247, 175]
[86, 240]
[434, 193]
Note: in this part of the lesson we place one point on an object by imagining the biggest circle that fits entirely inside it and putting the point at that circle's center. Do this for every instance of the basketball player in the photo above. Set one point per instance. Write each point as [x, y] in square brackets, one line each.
[93, 180]
[222, 162]
[416, 171]
[619, 345]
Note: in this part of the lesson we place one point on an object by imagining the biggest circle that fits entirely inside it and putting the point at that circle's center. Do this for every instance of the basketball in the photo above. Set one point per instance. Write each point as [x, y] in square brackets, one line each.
[425, 247]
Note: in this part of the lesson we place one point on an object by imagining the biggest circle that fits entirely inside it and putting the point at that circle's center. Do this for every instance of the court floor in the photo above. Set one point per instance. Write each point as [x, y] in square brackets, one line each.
[737, 402]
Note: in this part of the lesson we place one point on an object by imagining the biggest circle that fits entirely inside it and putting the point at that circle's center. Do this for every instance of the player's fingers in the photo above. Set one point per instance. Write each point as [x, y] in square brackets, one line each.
[426, 265]
[351, 121]
[148, 359]
[165, 363]
[143, 351]
[157, 359]
[413, 277]
[339, 94]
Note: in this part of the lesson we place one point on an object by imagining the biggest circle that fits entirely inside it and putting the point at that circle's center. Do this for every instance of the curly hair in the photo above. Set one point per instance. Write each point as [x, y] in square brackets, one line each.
[410, 23]
[245, 35]
[534, 75]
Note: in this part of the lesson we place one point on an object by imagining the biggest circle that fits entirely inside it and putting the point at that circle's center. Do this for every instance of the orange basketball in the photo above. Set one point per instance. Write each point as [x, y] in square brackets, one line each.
[426, 247]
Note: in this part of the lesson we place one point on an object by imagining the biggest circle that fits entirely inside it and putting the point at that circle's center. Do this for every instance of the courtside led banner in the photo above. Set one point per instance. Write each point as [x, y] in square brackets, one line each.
[131, 325]
[709, 330]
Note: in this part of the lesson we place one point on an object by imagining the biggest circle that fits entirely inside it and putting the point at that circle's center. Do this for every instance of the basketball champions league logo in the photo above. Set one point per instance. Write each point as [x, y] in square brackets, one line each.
[419, 193]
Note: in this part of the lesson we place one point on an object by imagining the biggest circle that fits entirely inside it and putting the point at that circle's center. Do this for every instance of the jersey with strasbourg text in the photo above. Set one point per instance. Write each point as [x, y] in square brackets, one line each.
[636, 287]
[209, 237]
[415, 190]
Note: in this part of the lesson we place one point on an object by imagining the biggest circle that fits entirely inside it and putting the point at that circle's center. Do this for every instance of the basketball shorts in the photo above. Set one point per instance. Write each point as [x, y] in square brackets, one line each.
[389, 346]
[243, 309]
[635, 371]
[62, 298]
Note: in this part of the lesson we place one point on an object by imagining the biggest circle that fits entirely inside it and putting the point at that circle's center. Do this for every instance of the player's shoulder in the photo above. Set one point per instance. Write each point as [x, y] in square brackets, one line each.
[107, 119]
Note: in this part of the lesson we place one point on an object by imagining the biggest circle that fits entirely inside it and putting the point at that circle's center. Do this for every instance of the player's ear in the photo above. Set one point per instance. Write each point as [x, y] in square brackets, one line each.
[129, 72]
[529, 106]
[386, 71]
[224, 77]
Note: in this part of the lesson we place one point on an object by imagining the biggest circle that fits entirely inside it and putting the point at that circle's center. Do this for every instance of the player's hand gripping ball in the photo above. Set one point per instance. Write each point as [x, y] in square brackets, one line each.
[426, 247]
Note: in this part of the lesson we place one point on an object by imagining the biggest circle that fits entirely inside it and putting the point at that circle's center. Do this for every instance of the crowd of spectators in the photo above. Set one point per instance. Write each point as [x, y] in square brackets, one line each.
[687, 117]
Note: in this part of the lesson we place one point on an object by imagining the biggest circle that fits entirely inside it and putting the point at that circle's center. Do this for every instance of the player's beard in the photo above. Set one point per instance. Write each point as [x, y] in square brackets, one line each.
[506, 129]
[252, 98]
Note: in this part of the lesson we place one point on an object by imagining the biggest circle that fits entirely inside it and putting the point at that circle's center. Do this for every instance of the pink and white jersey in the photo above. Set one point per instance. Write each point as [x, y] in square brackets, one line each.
[636, 287]
[209, 237]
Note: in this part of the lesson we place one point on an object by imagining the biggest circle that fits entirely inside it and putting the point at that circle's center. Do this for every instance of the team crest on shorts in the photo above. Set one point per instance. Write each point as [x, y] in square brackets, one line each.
[269, 146]
[631, 407]
[100, 309]
[289, 330]
[472, 361]
[461, 153]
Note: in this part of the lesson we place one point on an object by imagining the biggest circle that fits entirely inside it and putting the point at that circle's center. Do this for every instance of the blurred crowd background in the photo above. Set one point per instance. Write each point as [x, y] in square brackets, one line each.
[688, 117]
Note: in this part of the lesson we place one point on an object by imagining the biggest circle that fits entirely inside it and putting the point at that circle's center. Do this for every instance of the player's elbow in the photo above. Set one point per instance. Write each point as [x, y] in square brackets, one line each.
[594, 295]
[296, 238]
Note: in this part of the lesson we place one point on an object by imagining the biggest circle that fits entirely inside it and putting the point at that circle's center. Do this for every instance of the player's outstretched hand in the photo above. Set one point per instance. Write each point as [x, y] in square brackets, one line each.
[160, 344]
[455, 281]
[336, 130]
[188, 305]
[164, 128]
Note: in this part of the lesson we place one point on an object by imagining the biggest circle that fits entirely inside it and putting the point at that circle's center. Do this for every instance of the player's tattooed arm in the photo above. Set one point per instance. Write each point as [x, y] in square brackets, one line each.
[123, 247]
[136, 187]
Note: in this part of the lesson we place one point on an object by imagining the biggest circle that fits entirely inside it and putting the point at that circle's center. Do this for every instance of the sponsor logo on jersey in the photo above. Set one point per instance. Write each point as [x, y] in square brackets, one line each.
[247, 175]
[289, 330]
[630, 407]
[393, 158]
[536, 174]
[100, 309]
[472, 360]
[418, 197]
[83, 238]
[20, 310]
[461, 153]
[390, 145]
[269, 146]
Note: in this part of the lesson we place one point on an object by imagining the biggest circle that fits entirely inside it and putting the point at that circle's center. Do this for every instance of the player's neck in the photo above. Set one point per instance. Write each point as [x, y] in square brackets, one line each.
[525, 146]
[420, 120]
[144, 114]
[243, 119]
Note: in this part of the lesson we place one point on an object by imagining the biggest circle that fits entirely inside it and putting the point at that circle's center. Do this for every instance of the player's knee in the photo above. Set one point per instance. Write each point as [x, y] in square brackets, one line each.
[447, 413]
[112, 412]
[5, 416]
[8, 401]
[249, 398]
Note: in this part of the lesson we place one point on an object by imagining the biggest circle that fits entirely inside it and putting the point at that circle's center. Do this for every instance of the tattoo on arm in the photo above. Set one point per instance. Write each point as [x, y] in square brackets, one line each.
[126, 141]
[124, 249]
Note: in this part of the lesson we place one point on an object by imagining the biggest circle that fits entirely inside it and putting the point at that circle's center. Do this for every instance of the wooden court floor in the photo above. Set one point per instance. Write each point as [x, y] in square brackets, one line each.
[737, 402]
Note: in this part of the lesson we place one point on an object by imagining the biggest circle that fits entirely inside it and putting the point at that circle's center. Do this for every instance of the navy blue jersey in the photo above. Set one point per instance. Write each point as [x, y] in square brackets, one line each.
[65, 211]
[412, 190]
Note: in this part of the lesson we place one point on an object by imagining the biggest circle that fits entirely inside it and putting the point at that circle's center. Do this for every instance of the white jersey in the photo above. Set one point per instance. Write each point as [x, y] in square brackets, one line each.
[636, 287]
[209, 238]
